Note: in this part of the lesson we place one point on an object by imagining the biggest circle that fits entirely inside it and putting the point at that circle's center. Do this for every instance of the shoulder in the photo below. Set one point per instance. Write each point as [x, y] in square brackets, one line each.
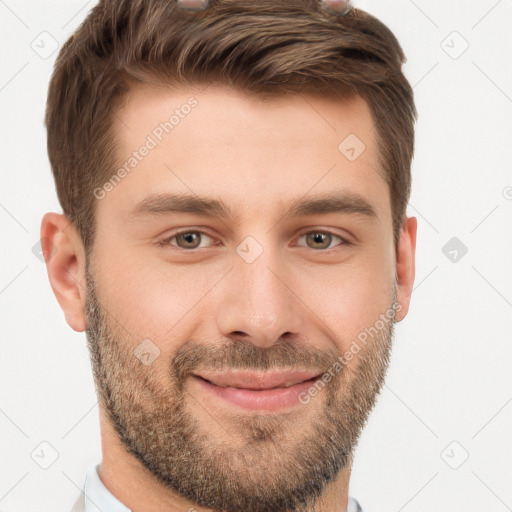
[79, 505]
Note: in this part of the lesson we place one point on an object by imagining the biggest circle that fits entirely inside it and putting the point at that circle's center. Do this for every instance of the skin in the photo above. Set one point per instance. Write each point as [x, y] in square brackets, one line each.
[257, 157]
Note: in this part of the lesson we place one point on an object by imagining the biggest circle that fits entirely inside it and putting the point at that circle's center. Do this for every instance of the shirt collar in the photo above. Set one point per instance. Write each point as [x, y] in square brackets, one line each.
[353, 505]
[97, 497]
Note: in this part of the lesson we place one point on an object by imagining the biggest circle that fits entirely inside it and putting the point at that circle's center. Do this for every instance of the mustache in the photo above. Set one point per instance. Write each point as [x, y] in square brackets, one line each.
[244, 355]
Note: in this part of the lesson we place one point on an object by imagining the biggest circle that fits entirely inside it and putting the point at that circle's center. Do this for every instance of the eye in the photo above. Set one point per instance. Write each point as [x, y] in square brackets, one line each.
[319, 240]
[191, 239]
[185, 239]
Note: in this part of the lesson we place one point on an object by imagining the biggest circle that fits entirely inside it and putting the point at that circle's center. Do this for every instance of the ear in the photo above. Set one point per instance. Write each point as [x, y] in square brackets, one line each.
[405, 266]
[64, 255]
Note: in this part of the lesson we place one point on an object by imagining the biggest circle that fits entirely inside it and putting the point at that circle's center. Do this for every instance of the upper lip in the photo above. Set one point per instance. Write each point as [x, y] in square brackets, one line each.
[257, 380]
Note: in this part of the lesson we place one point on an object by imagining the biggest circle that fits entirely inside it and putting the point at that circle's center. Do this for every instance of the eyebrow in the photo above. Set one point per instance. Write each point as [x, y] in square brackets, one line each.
[165, 203]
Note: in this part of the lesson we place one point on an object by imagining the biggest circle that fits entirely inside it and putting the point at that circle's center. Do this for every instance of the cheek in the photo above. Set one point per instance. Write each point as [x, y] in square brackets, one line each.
[347, 298]
[159, 300]
[153, 300]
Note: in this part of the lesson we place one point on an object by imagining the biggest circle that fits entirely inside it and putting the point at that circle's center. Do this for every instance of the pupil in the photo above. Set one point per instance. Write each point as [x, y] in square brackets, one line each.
[189, 238]
[319, 238]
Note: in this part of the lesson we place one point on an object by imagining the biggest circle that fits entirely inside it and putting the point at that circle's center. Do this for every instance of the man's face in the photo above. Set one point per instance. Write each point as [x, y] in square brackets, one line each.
[244, 294]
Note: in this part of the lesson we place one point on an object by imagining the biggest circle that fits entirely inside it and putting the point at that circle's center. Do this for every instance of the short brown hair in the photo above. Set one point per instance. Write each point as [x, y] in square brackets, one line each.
[265, 47]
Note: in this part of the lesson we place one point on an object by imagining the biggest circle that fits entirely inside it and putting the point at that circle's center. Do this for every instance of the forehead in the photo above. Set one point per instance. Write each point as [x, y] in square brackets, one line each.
[216, 111]
[249, 151]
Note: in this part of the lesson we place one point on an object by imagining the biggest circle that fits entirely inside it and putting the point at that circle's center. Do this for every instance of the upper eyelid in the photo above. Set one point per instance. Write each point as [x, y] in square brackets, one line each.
[166, 241]
[343, 239]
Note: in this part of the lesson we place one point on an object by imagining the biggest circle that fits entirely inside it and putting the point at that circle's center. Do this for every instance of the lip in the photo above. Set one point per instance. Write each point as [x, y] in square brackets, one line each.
[257, 380]
[258, 391]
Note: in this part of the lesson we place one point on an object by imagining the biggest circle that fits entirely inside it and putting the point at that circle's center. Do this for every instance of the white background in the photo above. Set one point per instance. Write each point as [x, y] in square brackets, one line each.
[449, 389]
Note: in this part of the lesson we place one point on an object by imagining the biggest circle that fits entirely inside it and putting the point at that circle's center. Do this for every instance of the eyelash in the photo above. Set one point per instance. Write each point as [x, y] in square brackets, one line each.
[166, 242]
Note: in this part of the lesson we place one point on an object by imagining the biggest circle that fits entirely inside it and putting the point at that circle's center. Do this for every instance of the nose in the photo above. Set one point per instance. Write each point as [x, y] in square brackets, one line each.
[258, 302]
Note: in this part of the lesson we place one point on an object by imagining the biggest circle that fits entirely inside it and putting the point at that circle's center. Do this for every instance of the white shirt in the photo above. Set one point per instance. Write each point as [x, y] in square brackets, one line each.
[99, 499]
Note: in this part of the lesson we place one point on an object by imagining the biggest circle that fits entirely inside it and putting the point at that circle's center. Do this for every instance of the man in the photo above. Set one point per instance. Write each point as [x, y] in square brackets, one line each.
[234, 179]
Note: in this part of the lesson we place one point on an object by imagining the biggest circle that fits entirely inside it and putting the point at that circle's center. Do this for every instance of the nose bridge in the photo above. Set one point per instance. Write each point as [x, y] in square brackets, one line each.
[255, 299]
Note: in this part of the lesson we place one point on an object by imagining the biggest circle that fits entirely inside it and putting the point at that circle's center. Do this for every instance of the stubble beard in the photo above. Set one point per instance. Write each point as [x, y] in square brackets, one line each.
[262, 462]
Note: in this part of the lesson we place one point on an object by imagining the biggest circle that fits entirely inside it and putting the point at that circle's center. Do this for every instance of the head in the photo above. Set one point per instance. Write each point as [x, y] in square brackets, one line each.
[234, 184]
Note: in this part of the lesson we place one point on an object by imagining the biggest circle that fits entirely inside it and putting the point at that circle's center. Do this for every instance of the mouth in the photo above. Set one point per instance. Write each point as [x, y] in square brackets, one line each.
[258, 390]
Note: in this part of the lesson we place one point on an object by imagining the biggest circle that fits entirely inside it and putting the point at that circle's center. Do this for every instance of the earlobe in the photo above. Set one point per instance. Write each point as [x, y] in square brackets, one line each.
[405, 266]
[65, 264]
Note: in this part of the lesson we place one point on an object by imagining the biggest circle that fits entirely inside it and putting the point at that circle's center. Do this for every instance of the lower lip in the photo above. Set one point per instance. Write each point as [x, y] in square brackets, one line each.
[263, 400]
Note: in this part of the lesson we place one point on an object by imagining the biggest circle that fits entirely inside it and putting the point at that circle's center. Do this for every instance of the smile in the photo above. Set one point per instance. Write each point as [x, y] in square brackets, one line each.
[257, 391]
